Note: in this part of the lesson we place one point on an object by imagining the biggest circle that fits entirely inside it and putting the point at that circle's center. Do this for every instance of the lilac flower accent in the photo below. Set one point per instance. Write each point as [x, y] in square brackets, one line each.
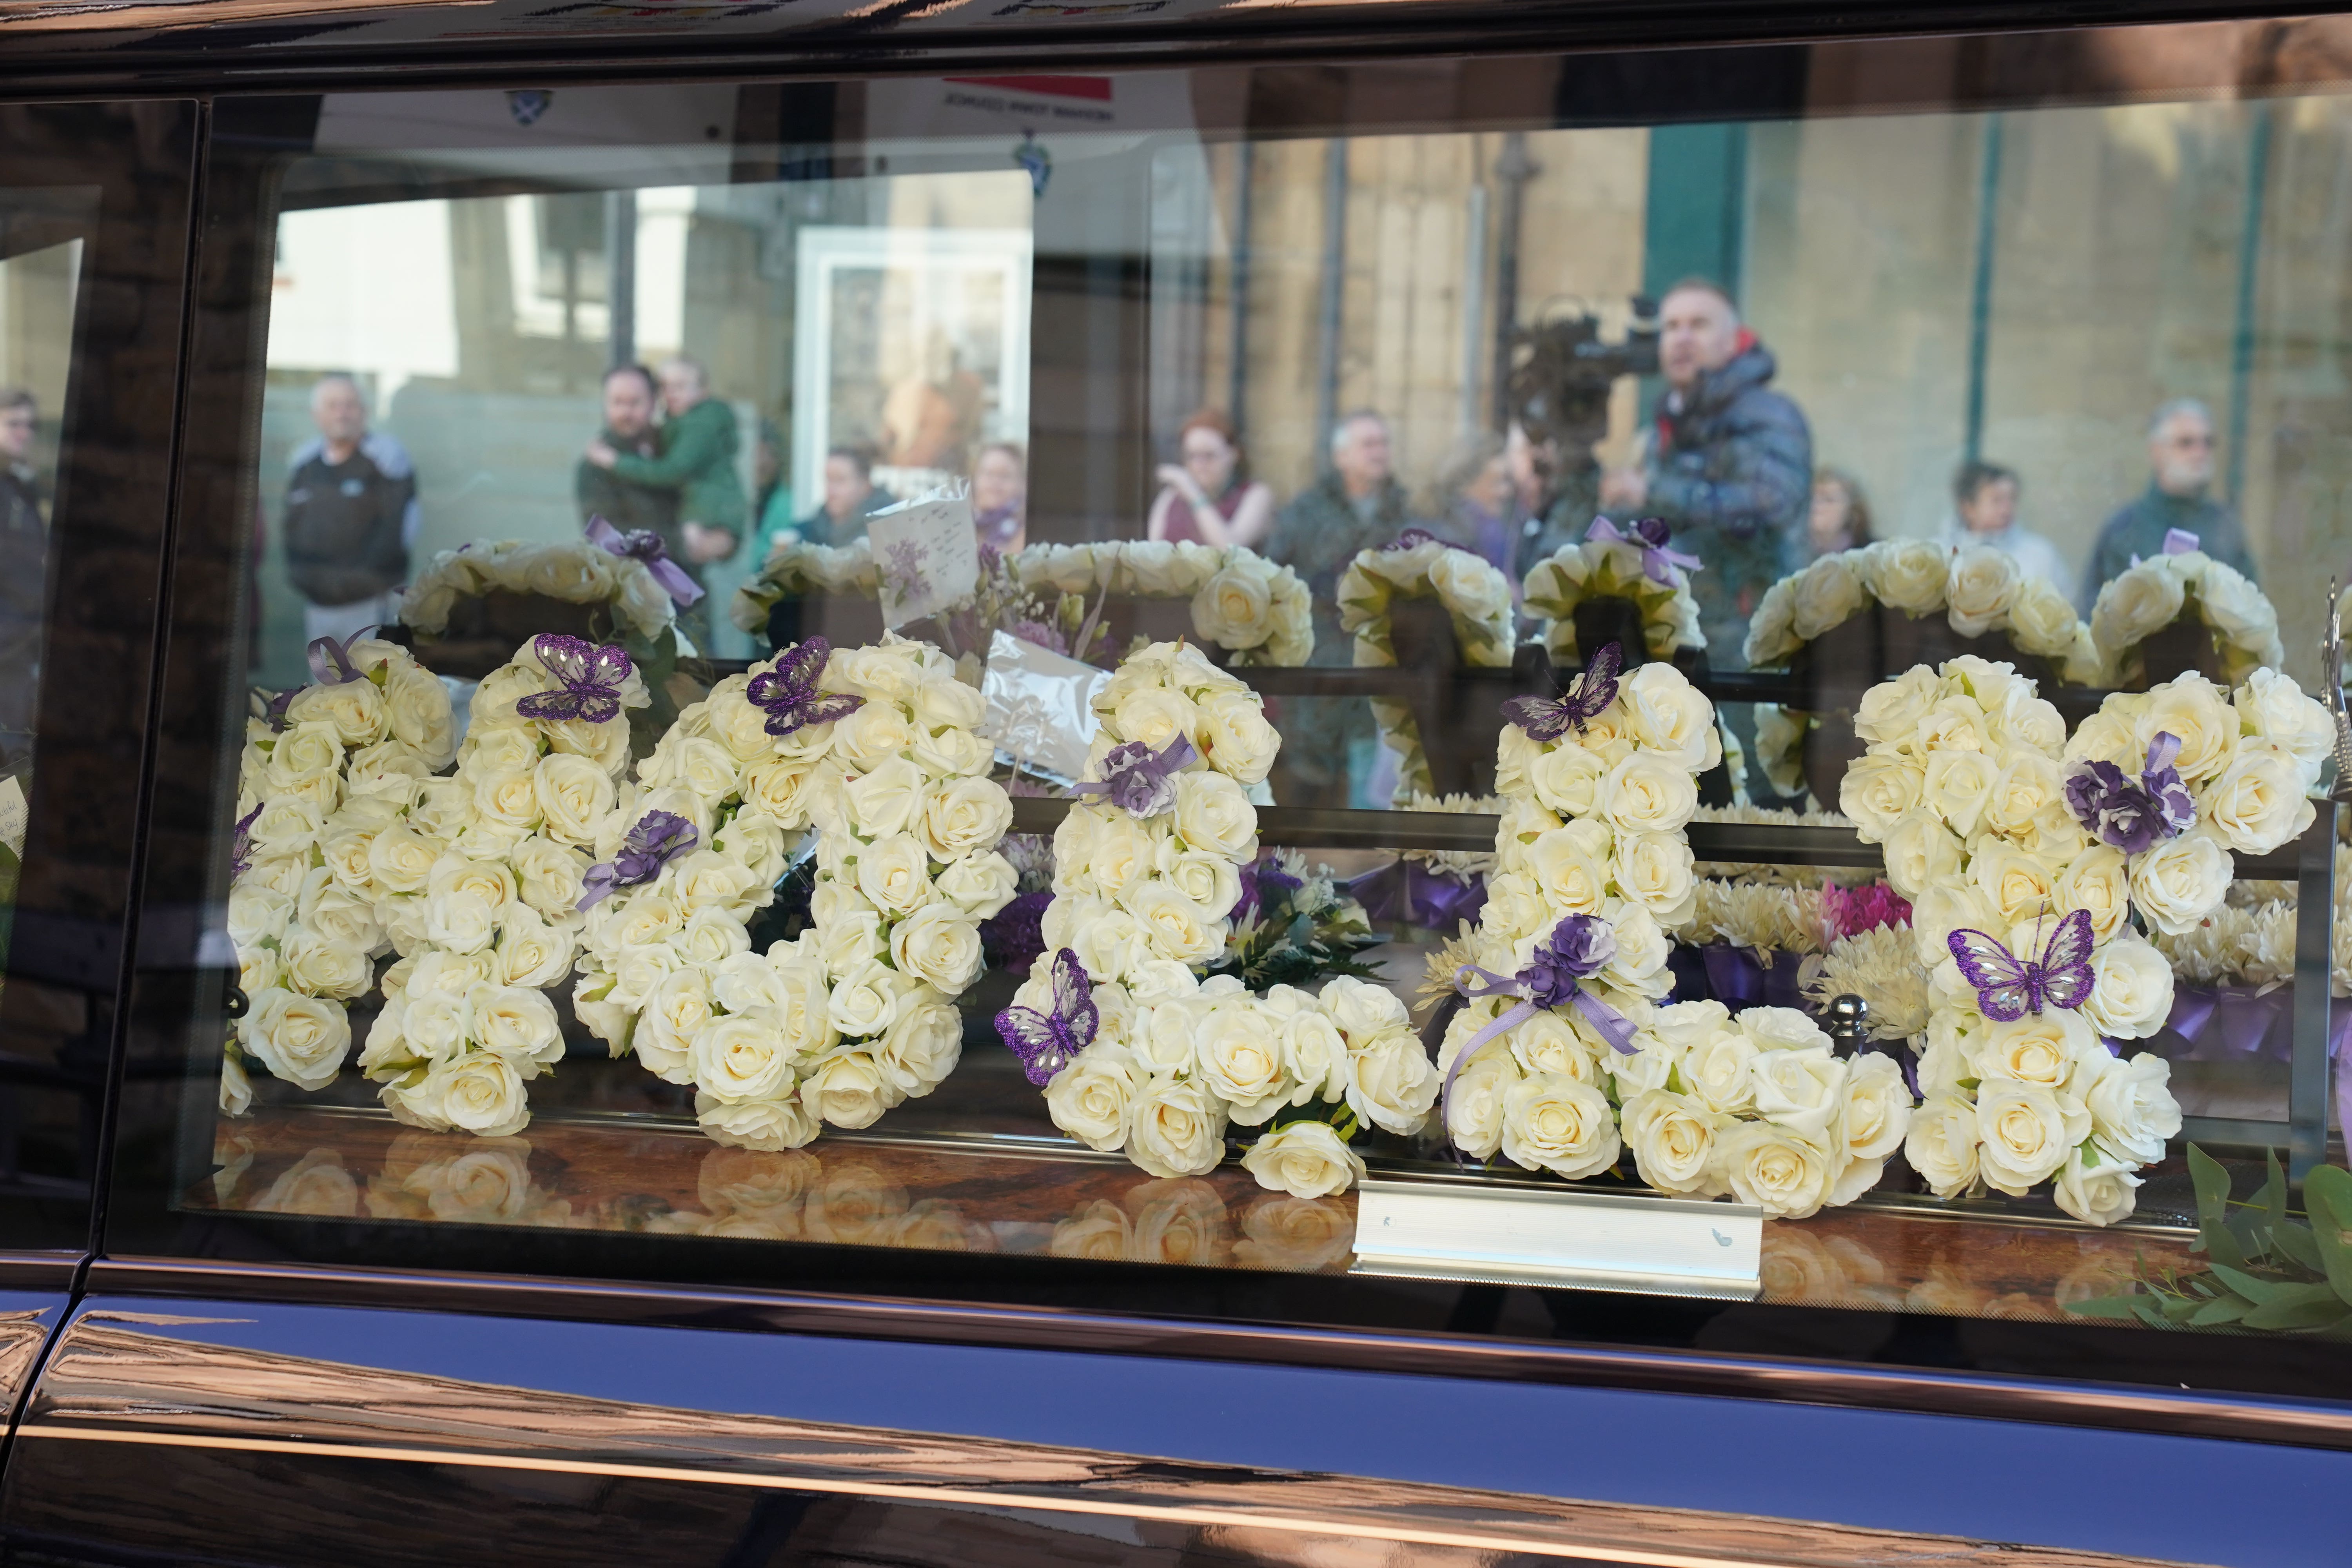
[1652, 534]
[659, 838]
[1043, 636]
[1579, 947]
[276, 711]
[644, 544]
[1139, 780]
[904, 570]
[240, 850]
[789, 691]
[1045, 1042]
[2132, 817]
[592, 677]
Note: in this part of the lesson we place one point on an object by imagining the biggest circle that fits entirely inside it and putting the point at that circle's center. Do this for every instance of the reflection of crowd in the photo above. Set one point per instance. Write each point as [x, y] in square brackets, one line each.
[24, 555]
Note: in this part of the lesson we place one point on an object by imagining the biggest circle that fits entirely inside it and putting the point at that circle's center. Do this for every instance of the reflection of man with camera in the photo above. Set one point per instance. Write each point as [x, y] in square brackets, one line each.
[1731, 469]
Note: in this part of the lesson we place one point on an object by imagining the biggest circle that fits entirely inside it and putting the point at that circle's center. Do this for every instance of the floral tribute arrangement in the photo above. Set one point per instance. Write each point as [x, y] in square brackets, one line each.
[2227, 972]
[1478, 601]
[1293, 925]
[2183, 584]
[799, 569]
[1976, 590]
[1254, 610]
[876, 749]
[2028, 858]
[1135, 1051]
[1561, 1057]
[1611, 564]
[630, 574]
[351, 845]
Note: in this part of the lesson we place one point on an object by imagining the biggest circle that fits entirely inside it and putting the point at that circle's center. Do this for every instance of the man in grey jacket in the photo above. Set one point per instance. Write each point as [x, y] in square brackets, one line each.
[1731, 469]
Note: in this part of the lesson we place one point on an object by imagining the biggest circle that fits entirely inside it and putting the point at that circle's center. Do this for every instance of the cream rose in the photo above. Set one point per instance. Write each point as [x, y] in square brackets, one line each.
[1977, 592]
[2131, 994]
[1213, 814]
[1920, 852]
[2026, 1131]
[1551, 1123]
[1908, 574]
[1892, 712]
[846, 1090]
[303, 1039]
[573, 795]
[964, 816]
[2258, 802]
[1655, 870]
[1646, 794]
[480, 1093]
[894, 873]
[1782, 1171]
[2177, 884]
[2196, 713]
[887, 800]
[1176, 1128]
[2133, 1112]
[1306, 1159]
[1235, 737]
[1877, 1113]
[1941, 1145]
[1828, 593]
[1089, 1098]
[939, 945]
[1673, 1137]
[771, 1125]
[981, 884]
[2143, 600]
[1473, 1107]
[1878, 790]
[2097, 880]
[2096, 1194]
[516, 1022]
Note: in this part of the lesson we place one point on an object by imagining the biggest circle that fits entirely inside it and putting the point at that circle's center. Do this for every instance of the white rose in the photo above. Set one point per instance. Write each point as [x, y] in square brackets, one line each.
[2026, 1131]
[2133, 1112]
[1235, 737]
[1799, 1089]
[1655, 870]
[1648, 794]
[1176, 1128]
[1666, 714]
[1877, 1113]
[1238, 1054]
[1878, 790]
[771, 1125]
[677, 1010]
[513, 1021]
[1716, 1068]
[963, 817]
[1362, 1010]
[2019, 886]
[894, 873]
[1213, 814]
[2258, 802]
[939, 945]
[981, 884]
[1673, 1137]
[1784, 1173]
[1892, 711]
[1306, 1159]
[2179, 882]
[1234, 608]
[2131, 994]
[1920, 852]
[1570, 867]
[2096, 1194]
[1553, 1122]
[574, 797]
[1391, 1083]
[2041, 620]
[1567, 778]
[303, 1039]
[1956, 786]
[846, 1090]
[921, 1049]
[1473, 1107]
[865, 1002]
[1089, 1098]
[887, 800]
[2273, 707]
[2097, 880]
[871, 736]
[2038, 1048]
[2131, 606]
[2235, 608]
[1941, 1145]
[417, 712]
[461, 921]
[479, 1092]
[1981, 585]
[2196, 712]
[353, 710]
[1827, 594]
[1908, 574]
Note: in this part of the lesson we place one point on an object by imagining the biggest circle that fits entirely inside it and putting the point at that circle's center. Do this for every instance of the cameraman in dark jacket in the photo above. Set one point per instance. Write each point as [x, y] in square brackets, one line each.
[351, 516]
[1732, 468]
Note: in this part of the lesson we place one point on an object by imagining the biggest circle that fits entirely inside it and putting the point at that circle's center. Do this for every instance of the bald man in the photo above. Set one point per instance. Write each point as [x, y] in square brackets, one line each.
[351, 516]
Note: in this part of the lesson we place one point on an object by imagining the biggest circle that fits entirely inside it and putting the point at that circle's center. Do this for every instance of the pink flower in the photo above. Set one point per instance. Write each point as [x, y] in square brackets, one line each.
[1849, 912]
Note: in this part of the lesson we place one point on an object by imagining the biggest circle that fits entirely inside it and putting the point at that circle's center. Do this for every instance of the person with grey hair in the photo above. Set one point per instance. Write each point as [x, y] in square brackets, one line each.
[1356, 505]
[2179, 496]
[351, 516]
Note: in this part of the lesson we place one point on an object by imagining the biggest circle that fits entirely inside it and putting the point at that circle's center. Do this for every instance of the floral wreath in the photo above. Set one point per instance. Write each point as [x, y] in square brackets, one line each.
[875, 748]
[1561, 1057]
[1138, 1054]
[1610, 564]
[2180, 584]
[1478, 600]
[799, 569]
[2029, 856]
[1258, 611]
[631, 574]
[1978, 589]
[351, 845]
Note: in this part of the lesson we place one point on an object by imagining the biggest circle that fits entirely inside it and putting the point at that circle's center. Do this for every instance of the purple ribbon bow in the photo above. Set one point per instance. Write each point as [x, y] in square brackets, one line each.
[1139, 780]
[1650, 533]
[1579, 947]
[644, 544]
[330, 661]
[2134, 817]
[659, 838]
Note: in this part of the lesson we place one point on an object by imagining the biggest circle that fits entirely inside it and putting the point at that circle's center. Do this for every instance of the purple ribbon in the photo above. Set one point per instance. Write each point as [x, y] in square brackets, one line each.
[1415, 537]
[1650, 533]
[1410, 891]
[2244, 1016]
[659, 838]
[1579, 947]
[2339, 1046]
[2176, 542]
[644, 544]
[1139, 780]
[330, 661]
[1739, 979]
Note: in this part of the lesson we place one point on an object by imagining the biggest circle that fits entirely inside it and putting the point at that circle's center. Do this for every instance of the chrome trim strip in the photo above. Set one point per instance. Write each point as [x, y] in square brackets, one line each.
[2304, 1422]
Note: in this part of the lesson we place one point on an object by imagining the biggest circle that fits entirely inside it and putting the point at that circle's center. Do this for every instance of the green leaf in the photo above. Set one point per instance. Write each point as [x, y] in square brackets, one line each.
[2214, 1238]
[2312, 1307]
[2260, 1292]
[2273, 1198]
[2227, 1309]
[2328, 1195]
[2295, 1243]
[2120, 1307]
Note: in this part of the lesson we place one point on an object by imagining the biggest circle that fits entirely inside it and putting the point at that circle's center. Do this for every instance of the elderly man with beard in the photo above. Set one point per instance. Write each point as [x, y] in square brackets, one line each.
[1731, 470]
[2179, 495]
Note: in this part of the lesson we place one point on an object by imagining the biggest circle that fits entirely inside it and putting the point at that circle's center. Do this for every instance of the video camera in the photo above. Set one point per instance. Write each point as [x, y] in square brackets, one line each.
[1561, 371]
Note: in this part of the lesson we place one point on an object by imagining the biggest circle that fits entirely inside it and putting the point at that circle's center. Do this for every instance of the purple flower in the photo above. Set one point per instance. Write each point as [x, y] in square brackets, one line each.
[1140, 780]
[1579, 947]
[1013, 938]
[659, 838]
[2132, 817]
[1042, 635]
[1653, 533]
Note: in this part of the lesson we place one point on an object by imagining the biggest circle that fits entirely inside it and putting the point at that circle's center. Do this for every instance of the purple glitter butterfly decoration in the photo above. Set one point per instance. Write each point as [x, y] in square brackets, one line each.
[659, 838]
[2009, 988]
[240, 852]
[592, 677]
[1547, 719]
[1140, 780]
[1045, 1042]
[789, 691]
[2131, 817]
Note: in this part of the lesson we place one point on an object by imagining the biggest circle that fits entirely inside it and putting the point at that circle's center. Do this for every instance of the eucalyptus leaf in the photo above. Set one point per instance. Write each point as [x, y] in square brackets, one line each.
[2319, 1307]
[2260, 1292]
[2214, 1237]
[2117, 1307]
[2227, 1309]
[2328, 1195]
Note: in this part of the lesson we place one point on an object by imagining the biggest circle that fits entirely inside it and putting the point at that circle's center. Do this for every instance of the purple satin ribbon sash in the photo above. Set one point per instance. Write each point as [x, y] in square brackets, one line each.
[2228, 1023]
[644, 544]
[1410, 891]
[330, 661]
[1657, 561]
[2180, 542]
[1614, 1027]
